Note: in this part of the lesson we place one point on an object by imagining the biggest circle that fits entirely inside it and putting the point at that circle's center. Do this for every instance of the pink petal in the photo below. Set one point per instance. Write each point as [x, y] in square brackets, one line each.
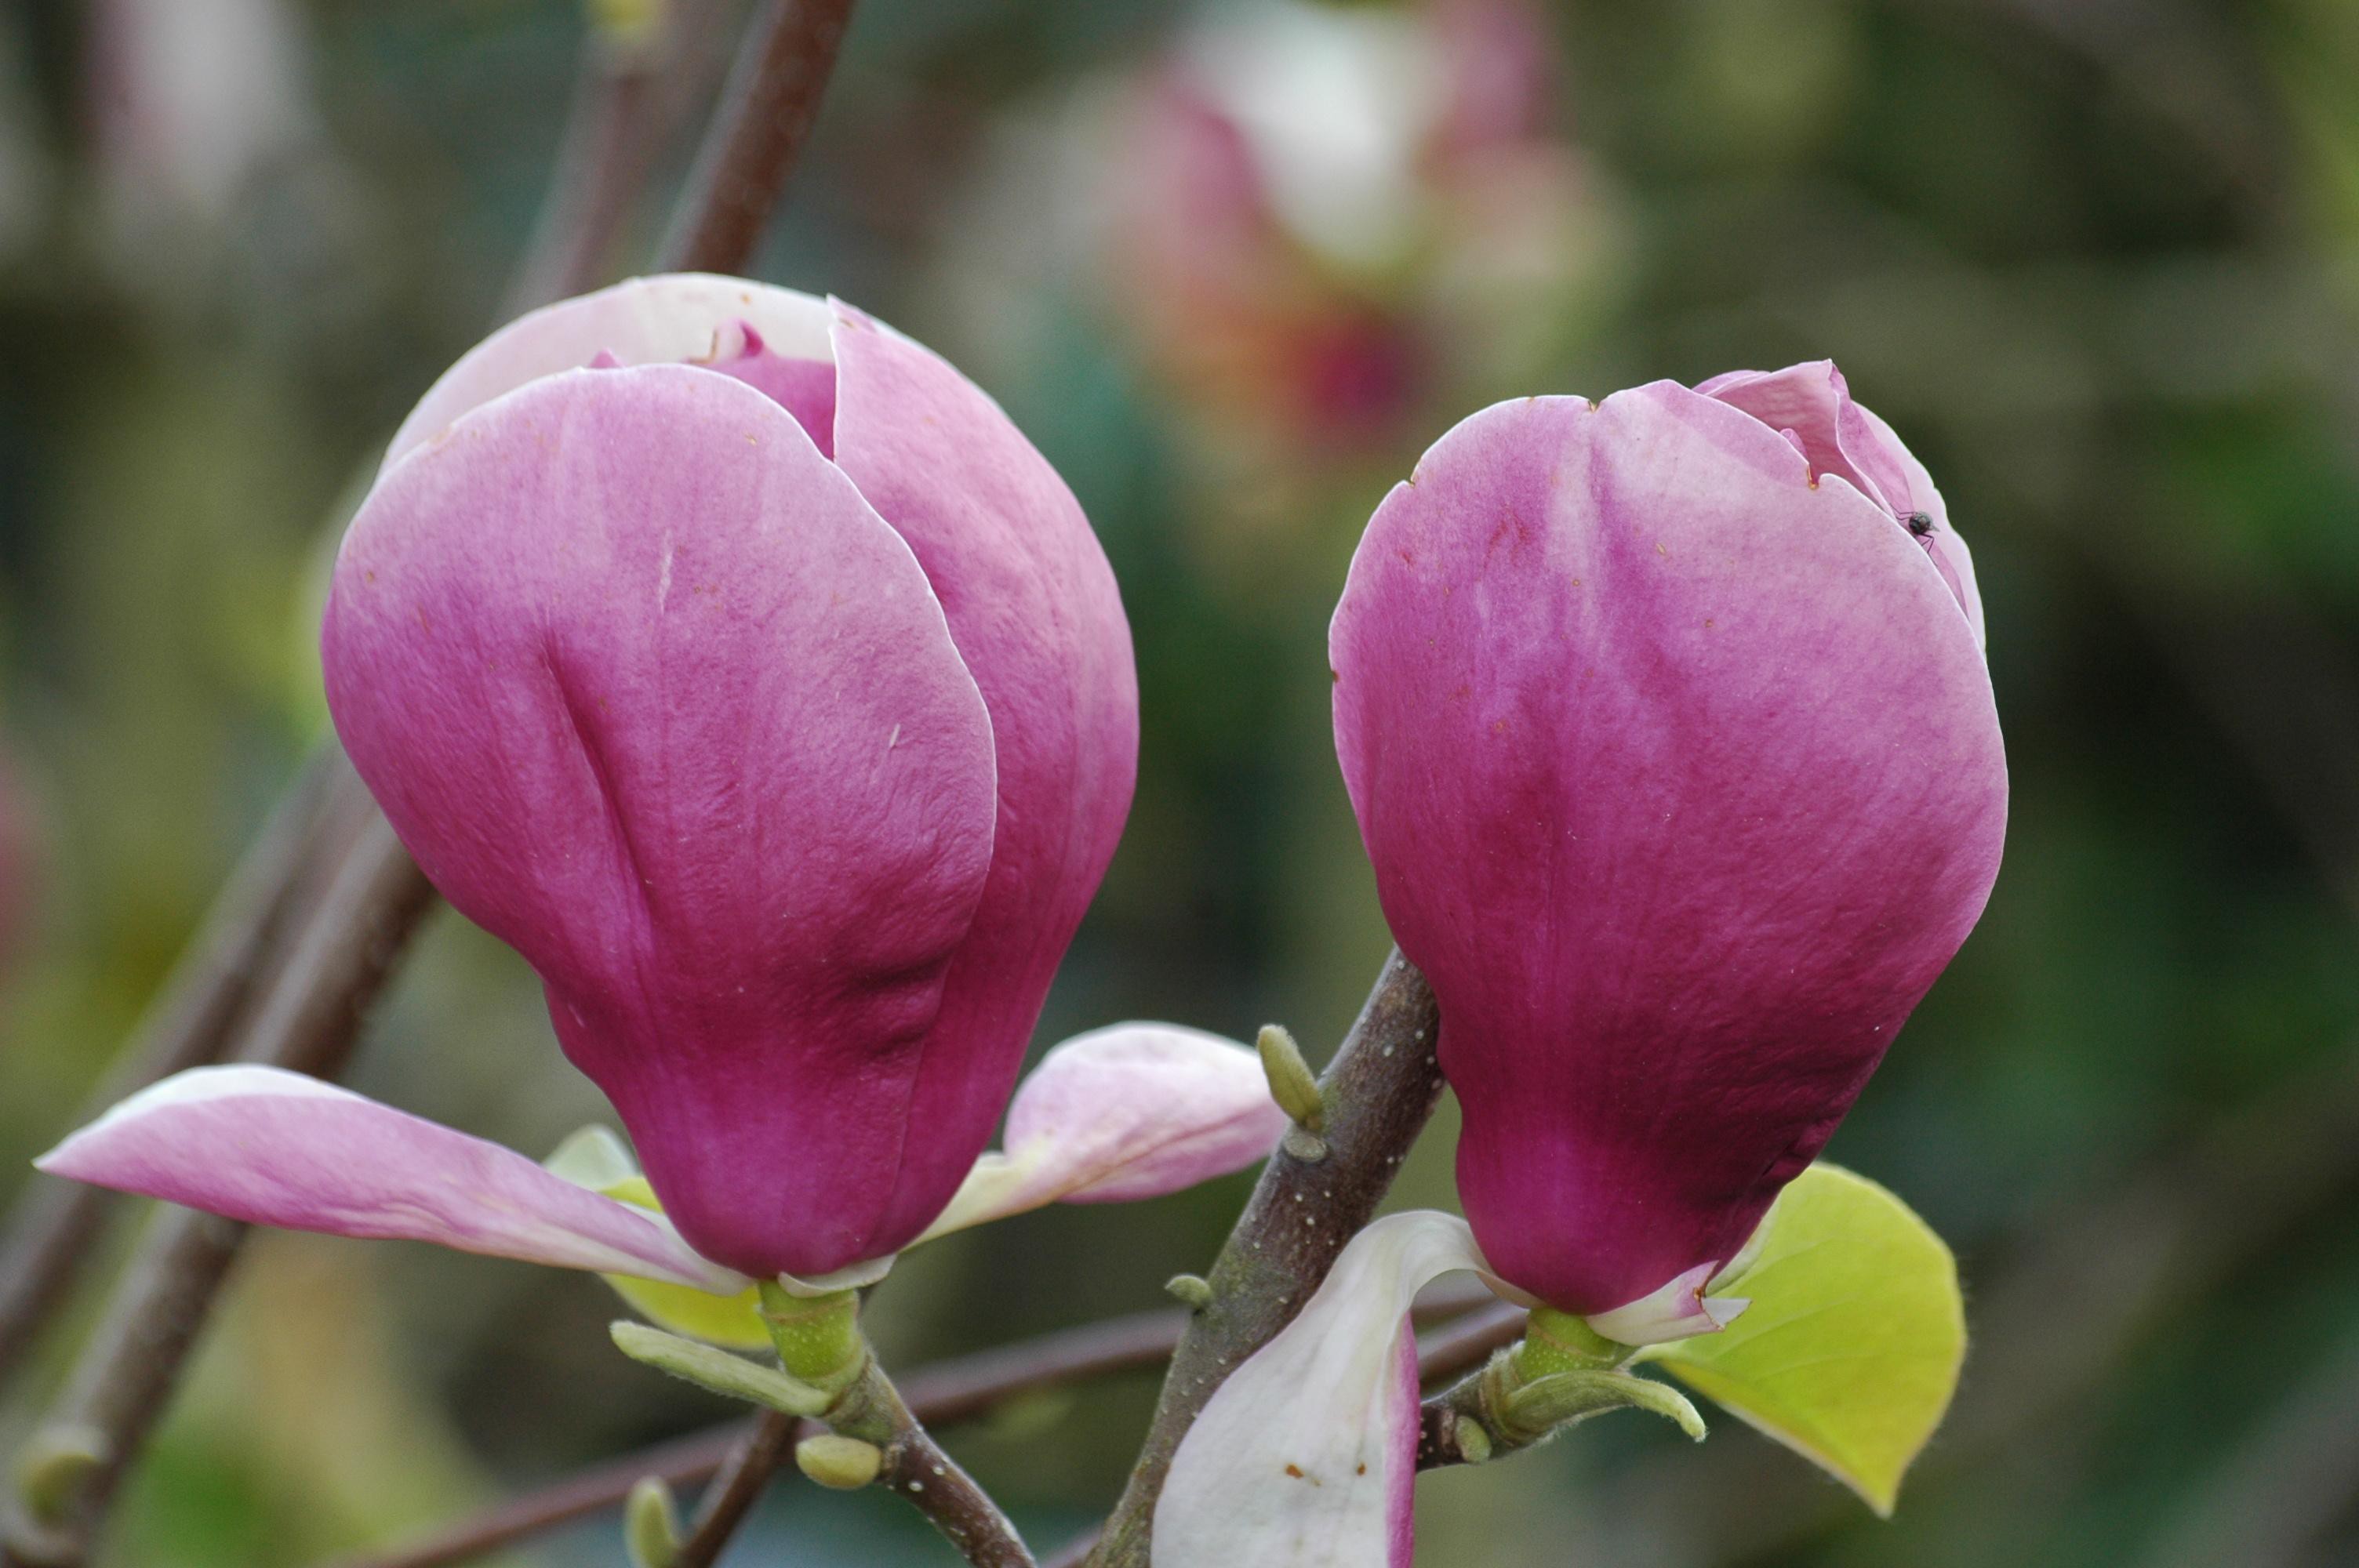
[1131, 1111]
[1306, 1457]
[1033, 607]
[1812, 403]
[653, 694]
[1682, 782]
[675, 319]
[271, 1147]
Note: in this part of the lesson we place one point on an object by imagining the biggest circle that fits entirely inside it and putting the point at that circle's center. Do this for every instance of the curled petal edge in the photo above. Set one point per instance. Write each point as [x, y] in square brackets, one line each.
[1678, 1309]
[1306, 1457]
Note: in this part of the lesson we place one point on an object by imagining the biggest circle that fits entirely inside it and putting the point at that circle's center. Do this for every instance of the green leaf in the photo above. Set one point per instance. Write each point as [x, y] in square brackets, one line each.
[1851, 1349]
[594, 1158]
[734, 1322]
[717, 1371]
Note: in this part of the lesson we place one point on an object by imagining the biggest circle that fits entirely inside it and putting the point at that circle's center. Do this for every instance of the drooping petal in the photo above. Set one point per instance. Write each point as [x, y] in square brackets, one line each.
[675, 319]
[1682, 781]
[271, 1147]
[1307, 1455]
[1033, 607]
[1130, 1111]
[1841, 437]
[653, 694]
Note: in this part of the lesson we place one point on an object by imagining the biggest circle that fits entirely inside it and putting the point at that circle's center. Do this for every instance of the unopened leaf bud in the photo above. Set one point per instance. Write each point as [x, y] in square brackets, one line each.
[844, 1464]
[1291, 1083]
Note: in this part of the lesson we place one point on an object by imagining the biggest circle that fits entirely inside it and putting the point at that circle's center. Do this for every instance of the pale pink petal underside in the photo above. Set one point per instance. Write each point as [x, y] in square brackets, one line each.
[272, 1147]
[1307, 1455]
[1131, 1111]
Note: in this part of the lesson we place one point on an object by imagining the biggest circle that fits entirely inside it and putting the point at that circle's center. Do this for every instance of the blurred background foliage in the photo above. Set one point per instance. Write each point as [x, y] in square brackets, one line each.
[1233, 265]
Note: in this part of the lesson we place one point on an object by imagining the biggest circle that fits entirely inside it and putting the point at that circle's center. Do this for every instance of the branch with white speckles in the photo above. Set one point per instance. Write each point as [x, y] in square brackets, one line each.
[1314, 1196]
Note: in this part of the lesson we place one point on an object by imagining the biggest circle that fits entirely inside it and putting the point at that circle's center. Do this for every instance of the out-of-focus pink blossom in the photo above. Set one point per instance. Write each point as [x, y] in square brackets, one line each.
[191, 102]
[1326, 219]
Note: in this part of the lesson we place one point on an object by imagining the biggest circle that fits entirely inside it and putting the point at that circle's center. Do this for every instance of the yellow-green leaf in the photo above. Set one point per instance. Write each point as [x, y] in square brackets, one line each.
[734, 1322]
[1851, 1349]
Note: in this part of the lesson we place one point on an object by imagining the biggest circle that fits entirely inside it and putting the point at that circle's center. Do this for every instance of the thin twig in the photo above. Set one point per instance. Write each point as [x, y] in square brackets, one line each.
[52, 1229]
[603, 158]
[350, 944]
[756, 1456]
[757, 134]
[1465, 1341]
[917, 1471]
[942, 1394]
[1378, 1093]
[126, 1374]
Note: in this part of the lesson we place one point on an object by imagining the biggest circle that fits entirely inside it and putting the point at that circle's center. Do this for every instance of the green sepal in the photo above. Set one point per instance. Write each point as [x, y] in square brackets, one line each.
[1546, 1403]
[718, 1371]
[1851, 1349]
[651, 1524]
[732, 1322]
[53, 1464]
[596, 1158]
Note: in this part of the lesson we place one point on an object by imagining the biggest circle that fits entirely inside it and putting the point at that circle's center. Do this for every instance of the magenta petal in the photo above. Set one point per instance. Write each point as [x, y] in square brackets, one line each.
[653, 694]
[804, 388]
[1131, 1111]
[1306, 1457]
[271, 1147]
[1812, 403]
[1682, 782]
[1033, 607]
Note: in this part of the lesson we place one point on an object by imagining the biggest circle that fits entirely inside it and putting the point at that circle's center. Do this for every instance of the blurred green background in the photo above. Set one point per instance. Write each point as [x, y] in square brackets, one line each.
[1233, 267]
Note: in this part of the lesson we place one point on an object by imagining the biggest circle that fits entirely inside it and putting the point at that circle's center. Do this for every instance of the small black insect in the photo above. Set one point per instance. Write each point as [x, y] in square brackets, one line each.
[1919, 523]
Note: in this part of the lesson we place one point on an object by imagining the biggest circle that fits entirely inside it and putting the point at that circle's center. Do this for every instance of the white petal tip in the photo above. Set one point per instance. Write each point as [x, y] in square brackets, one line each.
[1678, 1309]
[851, 1277]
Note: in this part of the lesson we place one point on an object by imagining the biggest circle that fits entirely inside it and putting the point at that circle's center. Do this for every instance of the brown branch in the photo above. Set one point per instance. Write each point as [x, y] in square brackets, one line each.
[757, 134]
[758, 1452]
[1468, 1340]
[350, 943]
[916, 1471]
[52, 1229]
[942, 1394]
[126, 1374]
[1377, 1093]
[603, 158]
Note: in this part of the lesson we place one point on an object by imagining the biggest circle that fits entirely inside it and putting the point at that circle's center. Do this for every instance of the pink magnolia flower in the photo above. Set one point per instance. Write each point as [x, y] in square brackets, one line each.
[1668, 730]
[765, 688]
[1130, 1111]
